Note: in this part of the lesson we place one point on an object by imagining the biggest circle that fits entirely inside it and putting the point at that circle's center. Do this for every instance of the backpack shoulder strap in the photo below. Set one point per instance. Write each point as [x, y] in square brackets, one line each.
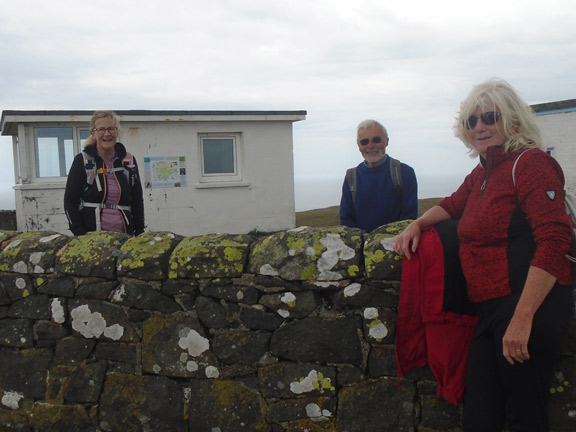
[396, 173]
[351, 180]
[90, 167]
[514, 167]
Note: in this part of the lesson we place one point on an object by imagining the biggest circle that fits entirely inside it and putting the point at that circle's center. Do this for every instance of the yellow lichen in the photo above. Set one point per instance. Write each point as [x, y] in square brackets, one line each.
[353, 270]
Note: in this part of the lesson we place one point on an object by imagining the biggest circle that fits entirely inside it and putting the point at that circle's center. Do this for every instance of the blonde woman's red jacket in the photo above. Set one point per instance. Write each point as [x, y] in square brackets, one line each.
[505, 228]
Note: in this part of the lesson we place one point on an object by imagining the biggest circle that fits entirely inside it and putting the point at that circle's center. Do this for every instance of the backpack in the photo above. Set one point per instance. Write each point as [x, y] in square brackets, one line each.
[395, 172]
[92, 172]
[569, 202]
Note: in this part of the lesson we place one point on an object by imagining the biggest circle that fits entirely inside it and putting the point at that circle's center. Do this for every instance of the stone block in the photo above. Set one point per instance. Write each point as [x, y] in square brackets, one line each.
[309, 254]
[209, 256]
[141, 403]
[146, 256]
[92, 255]
[319, 340]
[32, 252]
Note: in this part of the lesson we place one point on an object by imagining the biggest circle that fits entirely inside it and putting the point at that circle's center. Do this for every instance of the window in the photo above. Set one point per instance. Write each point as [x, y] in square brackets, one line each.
[55, 148]
[220, 157]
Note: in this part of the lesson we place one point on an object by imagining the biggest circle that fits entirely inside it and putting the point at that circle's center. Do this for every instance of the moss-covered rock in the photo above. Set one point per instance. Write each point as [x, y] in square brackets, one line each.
[329, 253]
[209, 256]
[146, 256]
[32, 252]
[380, 260]
[92, 254]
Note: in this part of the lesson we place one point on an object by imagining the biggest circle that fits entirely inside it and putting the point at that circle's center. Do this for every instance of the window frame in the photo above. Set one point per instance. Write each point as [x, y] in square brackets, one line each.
[237, 151]
[77, 144]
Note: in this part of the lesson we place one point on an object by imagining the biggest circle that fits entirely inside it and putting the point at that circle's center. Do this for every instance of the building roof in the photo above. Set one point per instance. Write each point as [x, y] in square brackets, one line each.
[11, 118]
[555, 107]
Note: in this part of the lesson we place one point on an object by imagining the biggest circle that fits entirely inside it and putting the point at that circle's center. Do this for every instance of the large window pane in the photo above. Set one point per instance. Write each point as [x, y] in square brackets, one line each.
[54, 150]
[219, 156]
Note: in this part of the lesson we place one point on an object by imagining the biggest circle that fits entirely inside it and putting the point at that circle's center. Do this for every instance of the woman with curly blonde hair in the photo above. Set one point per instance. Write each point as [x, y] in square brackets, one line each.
[514, 236]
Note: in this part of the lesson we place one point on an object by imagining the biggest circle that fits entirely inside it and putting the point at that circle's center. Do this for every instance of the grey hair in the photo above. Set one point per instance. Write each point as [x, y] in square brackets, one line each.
[365, 124]
[518, 119]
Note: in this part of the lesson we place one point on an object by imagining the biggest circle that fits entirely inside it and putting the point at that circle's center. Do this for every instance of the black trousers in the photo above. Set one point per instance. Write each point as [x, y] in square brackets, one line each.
[498, 393]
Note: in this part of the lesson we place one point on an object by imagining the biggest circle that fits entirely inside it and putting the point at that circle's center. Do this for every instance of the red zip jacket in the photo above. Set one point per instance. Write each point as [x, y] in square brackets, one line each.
[426, 335]
[505, 229]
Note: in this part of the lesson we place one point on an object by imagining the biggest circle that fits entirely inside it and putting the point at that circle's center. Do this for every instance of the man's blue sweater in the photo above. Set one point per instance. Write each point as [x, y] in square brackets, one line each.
[376, 200]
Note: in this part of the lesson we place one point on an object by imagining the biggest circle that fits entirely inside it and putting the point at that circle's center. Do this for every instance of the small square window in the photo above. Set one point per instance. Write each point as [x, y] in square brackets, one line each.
[220, 157]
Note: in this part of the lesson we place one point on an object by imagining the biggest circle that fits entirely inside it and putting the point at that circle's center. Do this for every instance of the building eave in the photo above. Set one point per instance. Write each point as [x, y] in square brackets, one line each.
[11, 118]
[564, 106]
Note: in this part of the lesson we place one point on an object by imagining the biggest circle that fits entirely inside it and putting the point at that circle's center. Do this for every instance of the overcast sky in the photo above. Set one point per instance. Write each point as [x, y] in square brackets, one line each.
[405, 63]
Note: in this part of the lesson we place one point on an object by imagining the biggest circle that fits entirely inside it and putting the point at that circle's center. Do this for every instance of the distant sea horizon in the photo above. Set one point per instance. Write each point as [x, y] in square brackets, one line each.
[312, 194]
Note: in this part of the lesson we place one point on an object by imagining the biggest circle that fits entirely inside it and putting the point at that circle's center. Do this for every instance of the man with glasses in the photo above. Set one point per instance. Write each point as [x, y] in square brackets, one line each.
[380, 190]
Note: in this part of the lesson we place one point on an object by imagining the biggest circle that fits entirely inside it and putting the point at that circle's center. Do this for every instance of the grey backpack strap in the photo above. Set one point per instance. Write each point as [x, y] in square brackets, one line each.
[396, 173]
[351, 180]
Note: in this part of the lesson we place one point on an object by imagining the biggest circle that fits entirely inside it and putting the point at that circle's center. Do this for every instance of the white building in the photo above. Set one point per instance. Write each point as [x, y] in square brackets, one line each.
[557, 121]
[202, 171]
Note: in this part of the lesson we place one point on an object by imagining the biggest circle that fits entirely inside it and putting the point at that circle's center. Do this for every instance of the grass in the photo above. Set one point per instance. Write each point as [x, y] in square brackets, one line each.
[329, 216]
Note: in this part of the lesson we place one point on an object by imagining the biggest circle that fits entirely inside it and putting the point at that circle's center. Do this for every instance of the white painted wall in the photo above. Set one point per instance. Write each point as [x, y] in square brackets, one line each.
[262, 200]
[559, 131]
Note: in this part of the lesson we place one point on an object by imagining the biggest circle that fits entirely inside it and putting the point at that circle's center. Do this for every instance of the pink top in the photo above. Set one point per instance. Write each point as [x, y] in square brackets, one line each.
[111, 219]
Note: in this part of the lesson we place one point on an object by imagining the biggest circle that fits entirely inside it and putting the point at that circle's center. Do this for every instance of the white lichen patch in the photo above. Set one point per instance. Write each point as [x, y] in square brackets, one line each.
[299, 229]
[13, 244]
[49, 238]
[336, 250]
[156, 369]
[379, 331]
[289, 299]
[314, 381]
[313, 411]
[20, 283]
[20, 267]
[191, 366]
[212, 372]
[352, 289]
[35, 257]
[388, 243]
[283, 313]
[370, 313]
[57, 311]
[291, 252]
[93, 325]
[268, 270]
[38, 269]
[114, 332]
[12, 399]
[118, 294]
[310, 251]
[193, 342]
[306, 385]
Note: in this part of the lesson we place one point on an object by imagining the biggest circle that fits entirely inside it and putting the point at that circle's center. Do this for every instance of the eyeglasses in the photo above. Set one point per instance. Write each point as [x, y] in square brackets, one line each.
[103, 130]
[488, 118]
[375, 140]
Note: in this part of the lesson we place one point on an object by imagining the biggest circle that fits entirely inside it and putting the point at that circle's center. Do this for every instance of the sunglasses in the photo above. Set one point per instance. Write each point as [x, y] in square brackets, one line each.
[488, 118]
[366, 141]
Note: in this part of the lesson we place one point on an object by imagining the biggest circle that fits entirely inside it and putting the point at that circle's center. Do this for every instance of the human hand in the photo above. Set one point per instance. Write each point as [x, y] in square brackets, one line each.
[515, 340]
[407, 242]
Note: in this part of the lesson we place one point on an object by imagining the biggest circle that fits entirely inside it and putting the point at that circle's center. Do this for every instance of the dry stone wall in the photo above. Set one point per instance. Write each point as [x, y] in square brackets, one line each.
[289, 332]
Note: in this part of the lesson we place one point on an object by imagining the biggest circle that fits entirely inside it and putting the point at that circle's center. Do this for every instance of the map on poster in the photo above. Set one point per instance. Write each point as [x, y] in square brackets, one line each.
[164, 171]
